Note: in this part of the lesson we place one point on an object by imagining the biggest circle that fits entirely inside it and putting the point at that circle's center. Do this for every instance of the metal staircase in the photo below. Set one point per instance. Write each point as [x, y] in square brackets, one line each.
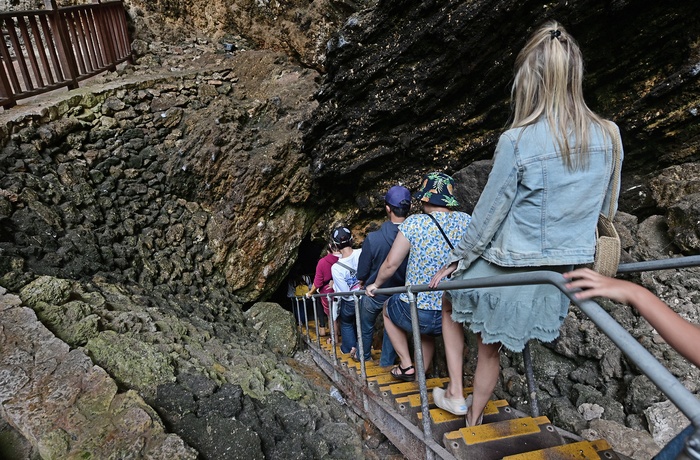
[396, 408]
[408, 417]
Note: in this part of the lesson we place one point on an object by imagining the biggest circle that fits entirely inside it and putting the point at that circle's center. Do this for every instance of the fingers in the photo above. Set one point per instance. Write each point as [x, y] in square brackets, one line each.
[443, 273]
[435, 280]
[585, 273]
[369, 290]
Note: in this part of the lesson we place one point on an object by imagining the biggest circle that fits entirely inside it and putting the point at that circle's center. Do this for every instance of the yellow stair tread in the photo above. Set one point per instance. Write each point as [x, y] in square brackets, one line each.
[383, 379]
[582, 450]
[441, 416]
[498, 430]
[403, 388]
[413, 400]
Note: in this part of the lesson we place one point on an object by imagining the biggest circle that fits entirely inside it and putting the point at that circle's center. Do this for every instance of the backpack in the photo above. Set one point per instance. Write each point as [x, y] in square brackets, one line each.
[356, 284]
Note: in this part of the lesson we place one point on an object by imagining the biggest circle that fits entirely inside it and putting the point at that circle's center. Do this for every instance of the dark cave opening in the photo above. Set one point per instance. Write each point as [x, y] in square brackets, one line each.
[309, 253]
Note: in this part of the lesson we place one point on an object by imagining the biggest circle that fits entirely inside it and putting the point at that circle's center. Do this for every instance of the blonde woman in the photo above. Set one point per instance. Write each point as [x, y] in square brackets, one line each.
[551, 178]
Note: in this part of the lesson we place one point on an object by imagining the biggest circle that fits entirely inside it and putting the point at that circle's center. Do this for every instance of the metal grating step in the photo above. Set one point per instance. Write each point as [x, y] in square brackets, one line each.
[583, 450]
[410, 405]
[395, 390]
[496, 440]
[443, 422]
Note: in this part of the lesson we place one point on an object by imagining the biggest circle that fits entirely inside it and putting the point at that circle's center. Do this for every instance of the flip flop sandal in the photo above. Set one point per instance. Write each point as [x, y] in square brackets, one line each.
[400, 373]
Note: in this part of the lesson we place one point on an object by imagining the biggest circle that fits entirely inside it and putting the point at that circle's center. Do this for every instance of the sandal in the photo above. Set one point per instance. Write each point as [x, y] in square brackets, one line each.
[402, 373]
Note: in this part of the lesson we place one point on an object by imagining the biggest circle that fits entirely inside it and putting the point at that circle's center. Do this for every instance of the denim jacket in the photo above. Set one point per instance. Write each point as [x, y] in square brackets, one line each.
[534, 211]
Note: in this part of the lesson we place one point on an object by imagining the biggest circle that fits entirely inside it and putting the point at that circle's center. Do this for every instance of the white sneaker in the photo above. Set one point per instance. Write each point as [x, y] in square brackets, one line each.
[456, 406]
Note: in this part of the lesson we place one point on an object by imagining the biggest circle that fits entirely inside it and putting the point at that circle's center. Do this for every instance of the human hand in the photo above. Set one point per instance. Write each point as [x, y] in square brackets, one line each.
[308, 295]
[594, 284]
[369, 290]
[444, 272]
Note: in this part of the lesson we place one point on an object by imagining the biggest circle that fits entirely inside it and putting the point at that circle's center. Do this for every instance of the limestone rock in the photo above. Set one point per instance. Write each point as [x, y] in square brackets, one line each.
[653, 240]
[637, 445]
[674, 183]
[275, 326]
[68, 406]
[590, 411]
[683, 218]
[134, 363]
[665, 421]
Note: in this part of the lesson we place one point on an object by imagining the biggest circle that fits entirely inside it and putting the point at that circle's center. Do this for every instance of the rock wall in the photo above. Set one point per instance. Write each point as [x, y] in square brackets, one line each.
[301, 29]
[124, 216]
[173, 183]
[413, 86]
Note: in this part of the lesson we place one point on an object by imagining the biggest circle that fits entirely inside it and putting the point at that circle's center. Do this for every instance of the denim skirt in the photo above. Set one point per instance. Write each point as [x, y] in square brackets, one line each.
[510, 315]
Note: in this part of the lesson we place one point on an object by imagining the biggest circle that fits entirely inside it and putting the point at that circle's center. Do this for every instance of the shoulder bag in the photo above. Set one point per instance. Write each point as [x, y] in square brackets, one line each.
[441, 230]
[607, 246]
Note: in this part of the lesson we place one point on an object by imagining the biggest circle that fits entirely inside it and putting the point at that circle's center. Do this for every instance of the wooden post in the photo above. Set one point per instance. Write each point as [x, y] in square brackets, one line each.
[65, 49]
[7, 96]
[103, 32]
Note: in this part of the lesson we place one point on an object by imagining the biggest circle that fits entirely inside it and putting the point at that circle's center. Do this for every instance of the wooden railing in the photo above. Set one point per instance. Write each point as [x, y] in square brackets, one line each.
[57, 47]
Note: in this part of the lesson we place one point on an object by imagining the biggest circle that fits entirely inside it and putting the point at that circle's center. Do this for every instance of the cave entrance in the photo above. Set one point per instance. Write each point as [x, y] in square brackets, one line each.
[307, 258]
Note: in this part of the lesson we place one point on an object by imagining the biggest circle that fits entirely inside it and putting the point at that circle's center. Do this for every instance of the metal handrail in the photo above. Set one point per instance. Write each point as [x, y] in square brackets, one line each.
[640, 356]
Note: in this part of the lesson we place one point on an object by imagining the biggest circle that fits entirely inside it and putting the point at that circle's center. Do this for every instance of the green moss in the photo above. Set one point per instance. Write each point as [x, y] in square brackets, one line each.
[131, 362]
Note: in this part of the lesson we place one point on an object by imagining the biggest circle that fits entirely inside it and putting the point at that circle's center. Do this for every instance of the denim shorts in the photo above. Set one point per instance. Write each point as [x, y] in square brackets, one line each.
[429, 321]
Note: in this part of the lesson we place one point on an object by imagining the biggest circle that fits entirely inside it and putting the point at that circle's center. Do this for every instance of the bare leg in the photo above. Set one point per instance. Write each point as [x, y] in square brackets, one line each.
[428, 347]
[398, 340]
[336, 327]
[485, 378]
[453, 335]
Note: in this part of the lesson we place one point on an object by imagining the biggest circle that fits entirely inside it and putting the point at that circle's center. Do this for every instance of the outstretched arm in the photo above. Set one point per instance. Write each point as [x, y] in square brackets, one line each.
[676, 331]
[312, 290]
[398, 252]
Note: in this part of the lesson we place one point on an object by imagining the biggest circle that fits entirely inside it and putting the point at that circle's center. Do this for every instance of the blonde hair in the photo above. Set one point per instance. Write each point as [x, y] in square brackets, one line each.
[548, 83]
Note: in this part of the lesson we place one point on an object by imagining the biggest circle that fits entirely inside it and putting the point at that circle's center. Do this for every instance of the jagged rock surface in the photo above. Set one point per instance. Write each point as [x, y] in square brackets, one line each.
[414, 86]
[176, 182]
[80, 403]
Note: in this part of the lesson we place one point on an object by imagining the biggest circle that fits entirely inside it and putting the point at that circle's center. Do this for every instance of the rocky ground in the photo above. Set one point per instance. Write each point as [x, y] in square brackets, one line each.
[188, 363]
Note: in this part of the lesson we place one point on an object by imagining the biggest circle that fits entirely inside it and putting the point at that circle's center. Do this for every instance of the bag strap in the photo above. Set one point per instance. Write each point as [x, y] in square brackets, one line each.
[617, 149]
[350, 269]
[441, 230]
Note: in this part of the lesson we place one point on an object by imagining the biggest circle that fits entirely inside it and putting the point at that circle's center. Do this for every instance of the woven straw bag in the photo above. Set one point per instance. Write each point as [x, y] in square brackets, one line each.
[607, 246]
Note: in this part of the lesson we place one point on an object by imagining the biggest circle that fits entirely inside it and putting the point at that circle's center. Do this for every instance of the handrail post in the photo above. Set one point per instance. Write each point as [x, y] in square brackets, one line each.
[313, 306]
[420, 373]
[58, 28]
[361, 350]
[7, 95]
[360, 346]
[295, 307]
[331, 320]
[298, 316]
[306, 318]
